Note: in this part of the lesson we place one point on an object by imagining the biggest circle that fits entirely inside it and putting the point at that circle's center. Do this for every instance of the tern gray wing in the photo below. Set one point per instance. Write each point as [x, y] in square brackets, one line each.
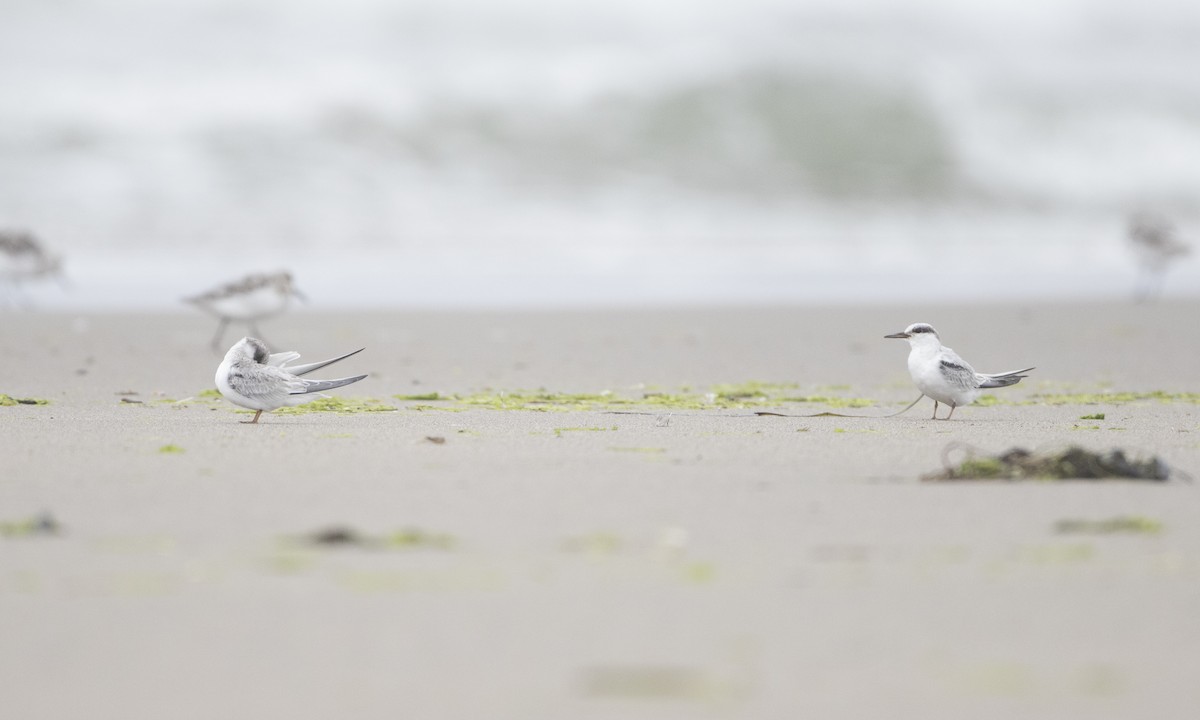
[306, 369]
[956, 371]
[312, 386]
[960, 376]
[264, 383]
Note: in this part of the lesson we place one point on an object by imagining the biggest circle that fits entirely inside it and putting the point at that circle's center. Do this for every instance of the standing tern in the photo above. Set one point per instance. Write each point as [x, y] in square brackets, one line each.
[941, 374]
[254, 378]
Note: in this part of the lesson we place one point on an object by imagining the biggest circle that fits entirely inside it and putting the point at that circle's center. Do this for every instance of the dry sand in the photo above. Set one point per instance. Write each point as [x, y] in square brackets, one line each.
[677, 564]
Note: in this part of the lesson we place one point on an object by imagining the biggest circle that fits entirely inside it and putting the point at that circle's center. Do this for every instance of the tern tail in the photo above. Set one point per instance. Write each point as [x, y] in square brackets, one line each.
[1004, 379]
[312, 386]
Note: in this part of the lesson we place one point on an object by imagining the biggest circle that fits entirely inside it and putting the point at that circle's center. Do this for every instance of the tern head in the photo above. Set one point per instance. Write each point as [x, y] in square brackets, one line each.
[918, 333]
[249, 348]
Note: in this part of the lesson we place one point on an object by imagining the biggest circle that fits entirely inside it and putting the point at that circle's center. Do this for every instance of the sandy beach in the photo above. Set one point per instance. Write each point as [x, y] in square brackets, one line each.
[652, 558]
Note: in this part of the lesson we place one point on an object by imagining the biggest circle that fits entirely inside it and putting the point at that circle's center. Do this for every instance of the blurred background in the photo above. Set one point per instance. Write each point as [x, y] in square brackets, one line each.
[474, 153]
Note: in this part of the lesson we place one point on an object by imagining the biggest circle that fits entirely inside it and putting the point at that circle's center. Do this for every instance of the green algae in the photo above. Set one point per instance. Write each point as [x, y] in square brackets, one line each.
[210, 397]
[412, 538]
[436, 408]
[558, 432]
[1094, 416]
[540, 401]
[981, 468]
[1055, 554]
[418, 397]
[645, 450]
[1113, 398]
[171, 449]
[1093, 398]
[835, 402]
[1131, 524]
[457, 579]
[340, 405]
[751, 394]
[9, 401]
[290, 560]
[651, 682]
[698, 573]
[597, 543]
[750, 390]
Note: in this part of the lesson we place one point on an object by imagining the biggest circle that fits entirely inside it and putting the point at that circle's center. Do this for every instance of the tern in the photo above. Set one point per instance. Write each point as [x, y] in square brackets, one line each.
[254, 378]
[939, 372]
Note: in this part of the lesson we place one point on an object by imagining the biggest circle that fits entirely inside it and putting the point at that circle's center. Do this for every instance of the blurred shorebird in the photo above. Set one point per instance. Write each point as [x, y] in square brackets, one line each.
[1156, 245]
[248, 300]
[23, 258]
[252, 377]
[939, 372]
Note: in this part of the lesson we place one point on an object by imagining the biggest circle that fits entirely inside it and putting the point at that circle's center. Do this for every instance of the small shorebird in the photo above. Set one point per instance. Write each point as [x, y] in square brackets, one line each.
[248, 300]
[23, 258]
[1156, 245]
[252, 377]
[939, 372]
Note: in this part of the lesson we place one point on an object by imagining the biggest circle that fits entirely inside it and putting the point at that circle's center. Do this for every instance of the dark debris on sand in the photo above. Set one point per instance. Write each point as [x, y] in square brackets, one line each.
[1071, 463]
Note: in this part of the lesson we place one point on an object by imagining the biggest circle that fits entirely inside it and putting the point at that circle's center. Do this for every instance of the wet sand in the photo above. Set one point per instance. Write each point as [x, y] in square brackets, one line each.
[673, 563]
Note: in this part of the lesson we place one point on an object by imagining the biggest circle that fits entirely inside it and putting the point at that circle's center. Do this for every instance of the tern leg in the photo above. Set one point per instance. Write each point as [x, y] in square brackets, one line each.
[216, 341]
[255, 420]
[951, 411]
[935, 406]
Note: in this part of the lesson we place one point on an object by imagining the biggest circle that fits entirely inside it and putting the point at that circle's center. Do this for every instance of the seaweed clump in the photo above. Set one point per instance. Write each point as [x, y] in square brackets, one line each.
[342, 536]
[43, 524]
[1071, 463]
[9, 400]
